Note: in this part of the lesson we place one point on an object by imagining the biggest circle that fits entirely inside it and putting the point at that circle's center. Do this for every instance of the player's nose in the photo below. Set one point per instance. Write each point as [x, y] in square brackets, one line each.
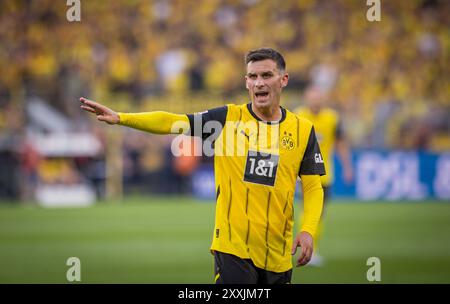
[259, 82]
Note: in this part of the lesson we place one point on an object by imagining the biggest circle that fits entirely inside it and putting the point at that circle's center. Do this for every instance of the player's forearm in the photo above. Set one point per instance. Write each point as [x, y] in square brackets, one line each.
[157, 122]
[312, 203]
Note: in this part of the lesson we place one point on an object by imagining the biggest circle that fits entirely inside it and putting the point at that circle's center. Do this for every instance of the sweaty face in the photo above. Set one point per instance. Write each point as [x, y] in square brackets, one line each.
[264, 83]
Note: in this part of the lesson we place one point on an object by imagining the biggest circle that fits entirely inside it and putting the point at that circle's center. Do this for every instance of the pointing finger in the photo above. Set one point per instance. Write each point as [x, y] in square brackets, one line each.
[89, 109]
[88, 102]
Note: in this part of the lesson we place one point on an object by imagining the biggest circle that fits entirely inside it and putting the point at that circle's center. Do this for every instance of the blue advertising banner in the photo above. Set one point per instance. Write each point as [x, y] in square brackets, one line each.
[396, 175]
[378, 175]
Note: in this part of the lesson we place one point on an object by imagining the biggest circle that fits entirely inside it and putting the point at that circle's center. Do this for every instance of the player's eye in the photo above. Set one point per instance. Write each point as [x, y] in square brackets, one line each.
[267, 75]
[252, 76]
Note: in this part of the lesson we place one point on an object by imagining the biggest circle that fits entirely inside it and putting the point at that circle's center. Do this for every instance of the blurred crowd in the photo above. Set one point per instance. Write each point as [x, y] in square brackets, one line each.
[388, 79]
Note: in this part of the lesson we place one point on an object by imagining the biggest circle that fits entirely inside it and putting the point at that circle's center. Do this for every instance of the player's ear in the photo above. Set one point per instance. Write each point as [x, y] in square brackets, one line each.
[246, 82]
[284, 80]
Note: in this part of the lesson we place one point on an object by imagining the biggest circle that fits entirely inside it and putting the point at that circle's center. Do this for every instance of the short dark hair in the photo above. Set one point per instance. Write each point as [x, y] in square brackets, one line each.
[266, 53]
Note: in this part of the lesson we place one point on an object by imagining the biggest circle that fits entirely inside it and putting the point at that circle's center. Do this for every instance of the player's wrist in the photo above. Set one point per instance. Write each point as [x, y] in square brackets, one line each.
[308, 233]
[118, 119]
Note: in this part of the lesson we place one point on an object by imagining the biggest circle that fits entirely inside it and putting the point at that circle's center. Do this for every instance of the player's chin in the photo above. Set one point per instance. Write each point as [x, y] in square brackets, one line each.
[262, 102]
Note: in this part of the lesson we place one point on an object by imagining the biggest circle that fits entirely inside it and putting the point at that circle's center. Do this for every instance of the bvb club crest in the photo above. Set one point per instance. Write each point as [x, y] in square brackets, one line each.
[287, 142]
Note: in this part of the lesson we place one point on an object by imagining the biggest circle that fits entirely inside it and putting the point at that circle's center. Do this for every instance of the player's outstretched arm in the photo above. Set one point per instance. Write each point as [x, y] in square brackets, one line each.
[103, 113]
[157, 122]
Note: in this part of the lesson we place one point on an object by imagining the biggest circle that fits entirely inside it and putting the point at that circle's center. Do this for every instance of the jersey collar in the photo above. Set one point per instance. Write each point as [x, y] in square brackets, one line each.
[283, 115]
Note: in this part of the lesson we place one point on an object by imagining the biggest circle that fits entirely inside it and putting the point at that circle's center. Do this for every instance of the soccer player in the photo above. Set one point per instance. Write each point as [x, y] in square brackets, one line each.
[331, 138]
[260, 149]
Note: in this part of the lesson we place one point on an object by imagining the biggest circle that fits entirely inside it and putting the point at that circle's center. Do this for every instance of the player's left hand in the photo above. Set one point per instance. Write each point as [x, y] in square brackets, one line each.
[305, 241]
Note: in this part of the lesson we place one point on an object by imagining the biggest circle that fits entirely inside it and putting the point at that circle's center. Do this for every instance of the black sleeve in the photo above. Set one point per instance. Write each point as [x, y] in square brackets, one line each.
[312, 162]
[213, 118]
[339, 133]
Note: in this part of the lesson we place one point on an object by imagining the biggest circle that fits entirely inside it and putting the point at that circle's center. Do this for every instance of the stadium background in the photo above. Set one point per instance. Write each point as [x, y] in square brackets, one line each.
[148, 216]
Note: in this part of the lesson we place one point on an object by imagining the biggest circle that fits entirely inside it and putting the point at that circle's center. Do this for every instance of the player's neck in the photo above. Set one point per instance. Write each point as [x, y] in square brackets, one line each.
[272, 113]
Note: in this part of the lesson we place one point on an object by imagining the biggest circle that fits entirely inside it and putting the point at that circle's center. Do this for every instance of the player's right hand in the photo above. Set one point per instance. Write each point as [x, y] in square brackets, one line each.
[103, 113]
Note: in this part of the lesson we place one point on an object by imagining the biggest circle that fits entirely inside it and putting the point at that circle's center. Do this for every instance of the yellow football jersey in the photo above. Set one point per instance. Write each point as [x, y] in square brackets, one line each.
[328, 129]
[256, 167]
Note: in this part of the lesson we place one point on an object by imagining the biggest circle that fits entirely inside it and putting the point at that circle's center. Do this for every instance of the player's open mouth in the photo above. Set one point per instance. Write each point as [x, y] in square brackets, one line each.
[262, 94]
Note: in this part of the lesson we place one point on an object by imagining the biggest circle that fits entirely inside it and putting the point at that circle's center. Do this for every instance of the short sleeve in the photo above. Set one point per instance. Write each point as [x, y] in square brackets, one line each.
[312, 162]
[204, 124]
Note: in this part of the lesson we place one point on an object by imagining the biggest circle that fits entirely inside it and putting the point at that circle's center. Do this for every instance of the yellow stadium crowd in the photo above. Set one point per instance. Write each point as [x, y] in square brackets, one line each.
[390, 76]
